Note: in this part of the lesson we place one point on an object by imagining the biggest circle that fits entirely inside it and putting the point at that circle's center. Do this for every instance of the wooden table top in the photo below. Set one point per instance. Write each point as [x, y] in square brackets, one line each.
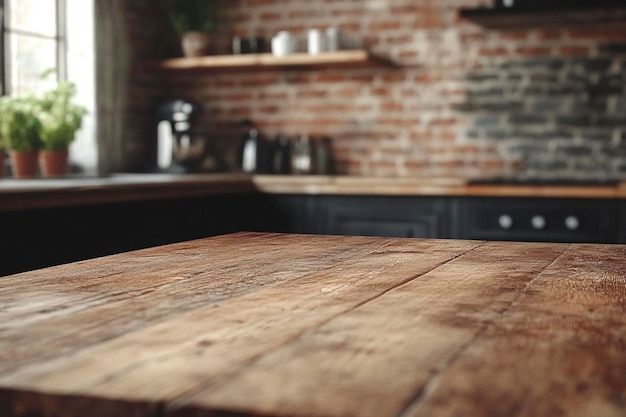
[254, 324]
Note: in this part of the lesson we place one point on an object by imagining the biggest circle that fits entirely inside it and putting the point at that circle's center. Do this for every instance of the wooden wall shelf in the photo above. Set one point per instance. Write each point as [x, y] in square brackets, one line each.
[576, 15]
[352, 58]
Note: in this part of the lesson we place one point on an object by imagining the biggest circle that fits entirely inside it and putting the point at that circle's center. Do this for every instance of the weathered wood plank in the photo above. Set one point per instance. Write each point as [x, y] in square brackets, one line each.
[162, 360]
[560, 350]
[21, 403]
[56, 310]
[375, 359]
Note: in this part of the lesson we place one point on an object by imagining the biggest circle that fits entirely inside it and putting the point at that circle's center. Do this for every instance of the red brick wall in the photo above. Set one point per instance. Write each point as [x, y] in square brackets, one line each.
[144, 28]
[462, 99]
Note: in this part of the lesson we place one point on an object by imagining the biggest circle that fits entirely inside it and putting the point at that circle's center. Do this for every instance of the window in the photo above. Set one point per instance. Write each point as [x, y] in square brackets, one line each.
[34, 41]
[39, 35]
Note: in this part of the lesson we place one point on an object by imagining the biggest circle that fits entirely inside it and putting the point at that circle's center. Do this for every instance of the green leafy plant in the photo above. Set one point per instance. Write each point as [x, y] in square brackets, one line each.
[48, 121]
[60, 117]
[194, 15]
[20, 126]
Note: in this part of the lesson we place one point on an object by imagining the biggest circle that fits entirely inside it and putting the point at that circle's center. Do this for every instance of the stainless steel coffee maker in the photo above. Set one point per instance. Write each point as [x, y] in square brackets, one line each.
[173, 146]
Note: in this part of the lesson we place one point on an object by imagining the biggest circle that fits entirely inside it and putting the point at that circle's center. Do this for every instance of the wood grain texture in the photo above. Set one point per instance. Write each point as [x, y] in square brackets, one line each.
[20, 195]
[372, 360]
[560, 349]
[266, 61]
[104, 298]
[257, 324]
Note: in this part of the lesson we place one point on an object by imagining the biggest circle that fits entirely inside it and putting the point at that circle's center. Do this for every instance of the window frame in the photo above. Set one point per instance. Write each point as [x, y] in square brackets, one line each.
[3, 79]
[60, 40]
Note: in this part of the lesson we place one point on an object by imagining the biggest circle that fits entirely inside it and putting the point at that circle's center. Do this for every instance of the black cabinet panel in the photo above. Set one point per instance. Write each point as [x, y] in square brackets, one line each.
[39, 238]
[622, 221]
[535, 219]
[382, 216]
[287, 213]
[425, 227]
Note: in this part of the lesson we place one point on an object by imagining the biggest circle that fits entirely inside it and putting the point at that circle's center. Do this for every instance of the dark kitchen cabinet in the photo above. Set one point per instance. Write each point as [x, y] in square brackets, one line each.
[43, 237]
[489, 218]
[622, 221]
[538, 219]
[382, 216]
[288, 213]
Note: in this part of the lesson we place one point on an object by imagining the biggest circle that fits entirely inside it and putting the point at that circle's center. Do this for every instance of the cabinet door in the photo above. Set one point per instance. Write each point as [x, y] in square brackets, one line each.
[382, 216]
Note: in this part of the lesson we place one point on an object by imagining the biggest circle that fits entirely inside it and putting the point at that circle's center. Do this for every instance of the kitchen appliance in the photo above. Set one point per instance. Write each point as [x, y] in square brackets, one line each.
[254, 152]
[172, 144]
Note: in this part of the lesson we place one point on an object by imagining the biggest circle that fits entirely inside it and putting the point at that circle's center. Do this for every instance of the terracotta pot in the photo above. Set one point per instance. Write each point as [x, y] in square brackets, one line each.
[53, 163]
[24, 164]
[195, 43]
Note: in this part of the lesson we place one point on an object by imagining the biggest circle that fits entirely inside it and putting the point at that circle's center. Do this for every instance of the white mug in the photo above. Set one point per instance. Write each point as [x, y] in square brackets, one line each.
[283, 43]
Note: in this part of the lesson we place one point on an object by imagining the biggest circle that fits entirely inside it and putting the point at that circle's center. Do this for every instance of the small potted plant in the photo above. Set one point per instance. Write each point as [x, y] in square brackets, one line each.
[60, 119]
[195, 21]
[20, 129]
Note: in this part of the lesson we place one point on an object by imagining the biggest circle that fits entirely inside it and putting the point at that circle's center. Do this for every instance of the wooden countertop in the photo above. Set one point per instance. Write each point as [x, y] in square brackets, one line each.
[416, 186]
[44, 193]
[41, 193]
[270, 325]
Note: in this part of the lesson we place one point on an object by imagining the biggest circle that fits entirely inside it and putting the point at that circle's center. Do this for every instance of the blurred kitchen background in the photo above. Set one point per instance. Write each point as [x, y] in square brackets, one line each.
[530, 99]
[543, 97]
[436, 114]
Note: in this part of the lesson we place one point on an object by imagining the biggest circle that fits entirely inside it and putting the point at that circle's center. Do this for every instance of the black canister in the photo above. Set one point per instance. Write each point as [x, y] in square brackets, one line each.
[323, 163]
[281, 156]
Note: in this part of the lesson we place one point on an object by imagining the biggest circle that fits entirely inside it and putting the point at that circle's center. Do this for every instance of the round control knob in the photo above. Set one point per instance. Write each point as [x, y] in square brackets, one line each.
[572, 222]
[538, 222]
[505, 221]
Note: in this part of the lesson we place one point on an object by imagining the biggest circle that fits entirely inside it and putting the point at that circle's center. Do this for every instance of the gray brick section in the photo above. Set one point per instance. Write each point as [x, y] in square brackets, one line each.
[613, 48]
[548, 104]
[620, 106]
[561, 117]
[620, 166]
[595, 64]
[568, 151]
[528, 119]
[575, 120]
[597, 135]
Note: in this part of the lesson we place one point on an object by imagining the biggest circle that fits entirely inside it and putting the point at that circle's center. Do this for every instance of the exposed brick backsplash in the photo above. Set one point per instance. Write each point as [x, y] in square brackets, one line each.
[461, 100]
